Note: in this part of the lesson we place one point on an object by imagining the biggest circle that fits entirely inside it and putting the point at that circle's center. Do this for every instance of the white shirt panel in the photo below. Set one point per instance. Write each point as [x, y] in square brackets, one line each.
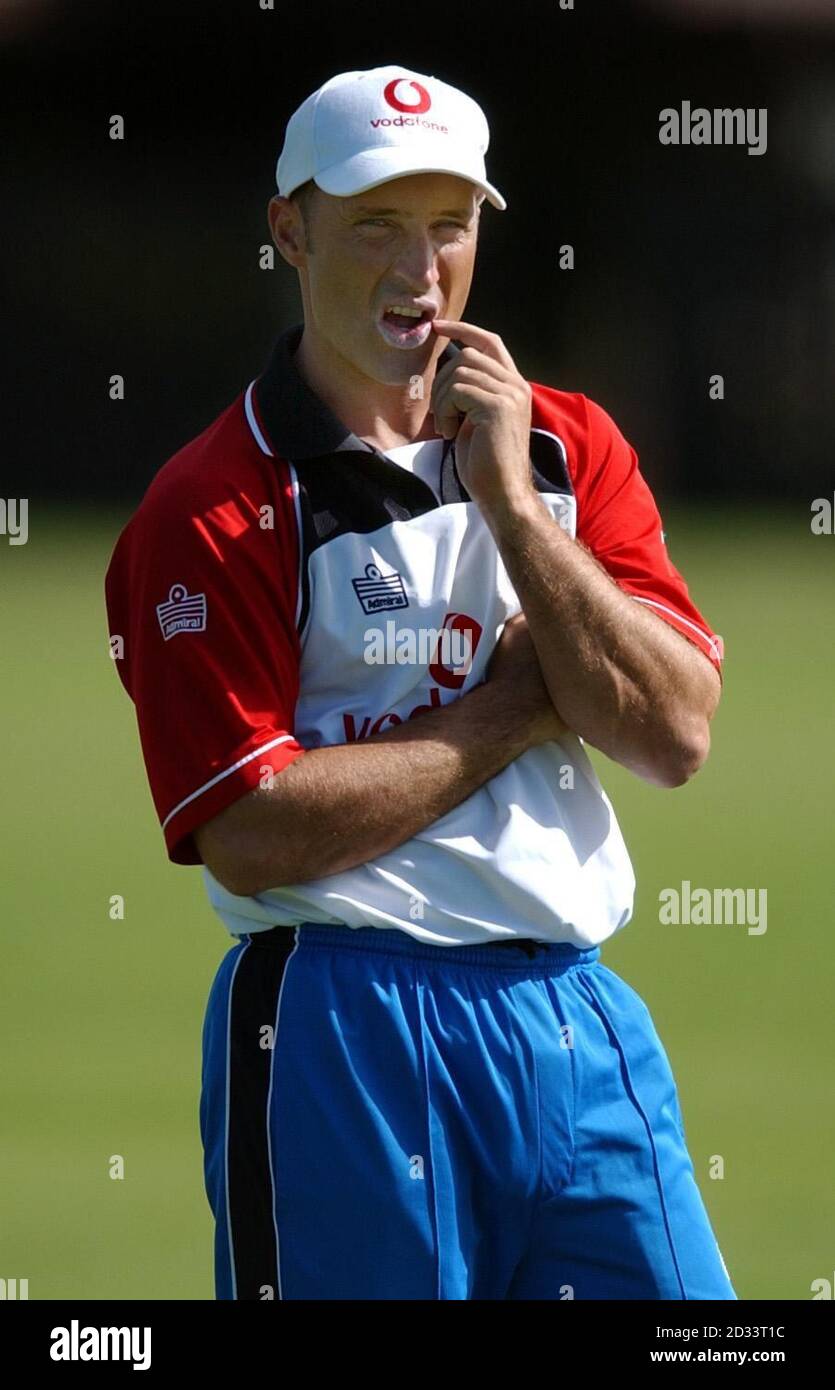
[537, 850]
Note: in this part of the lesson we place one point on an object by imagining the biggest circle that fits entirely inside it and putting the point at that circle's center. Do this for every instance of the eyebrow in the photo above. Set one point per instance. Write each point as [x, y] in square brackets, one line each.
[388, 212]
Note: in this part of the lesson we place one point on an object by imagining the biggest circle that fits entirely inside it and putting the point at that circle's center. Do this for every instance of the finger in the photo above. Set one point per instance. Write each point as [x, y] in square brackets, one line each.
[464, 364]
[467, 373]
[467, 400]
[449, 402]
[470, 357]
[444, 412]
[473, 336]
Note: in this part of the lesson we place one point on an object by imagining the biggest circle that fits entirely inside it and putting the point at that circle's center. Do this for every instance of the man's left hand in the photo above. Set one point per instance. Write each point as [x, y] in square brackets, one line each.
[482, 402]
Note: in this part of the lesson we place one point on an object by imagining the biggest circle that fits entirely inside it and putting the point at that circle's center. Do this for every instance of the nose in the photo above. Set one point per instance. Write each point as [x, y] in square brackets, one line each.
[417, 262]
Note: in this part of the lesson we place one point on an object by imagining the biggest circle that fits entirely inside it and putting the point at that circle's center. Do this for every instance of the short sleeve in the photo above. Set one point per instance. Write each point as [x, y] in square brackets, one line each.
[201, 602]
[620, 524]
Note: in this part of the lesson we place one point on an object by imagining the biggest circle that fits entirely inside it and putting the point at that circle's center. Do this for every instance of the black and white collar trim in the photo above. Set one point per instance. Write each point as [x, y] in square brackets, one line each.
[291, 419]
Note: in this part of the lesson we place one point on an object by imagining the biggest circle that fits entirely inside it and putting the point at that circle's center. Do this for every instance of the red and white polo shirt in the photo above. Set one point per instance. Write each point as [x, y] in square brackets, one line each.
[274, 553]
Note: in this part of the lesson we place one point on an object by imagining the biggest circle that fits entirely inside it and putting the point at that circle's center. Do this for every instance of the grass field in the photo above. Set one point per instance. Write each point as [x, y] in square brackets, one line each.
[101, 1019]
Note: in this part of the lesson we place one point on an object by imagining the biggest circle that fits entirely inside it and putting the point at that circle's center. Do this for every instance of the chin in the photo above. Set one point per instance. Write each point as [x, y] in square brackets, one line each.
[395, 367]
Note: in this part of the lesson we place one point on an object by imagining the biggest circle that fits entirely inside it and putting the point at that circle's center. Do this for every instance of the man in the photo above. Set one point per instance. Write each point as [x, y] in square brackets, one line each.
[370, 616]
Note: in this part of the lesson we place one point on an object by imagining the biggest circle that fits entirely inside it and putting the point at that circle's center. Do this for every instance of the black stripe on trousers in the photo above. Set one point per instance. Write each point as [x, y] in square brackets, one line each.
[254, 1003]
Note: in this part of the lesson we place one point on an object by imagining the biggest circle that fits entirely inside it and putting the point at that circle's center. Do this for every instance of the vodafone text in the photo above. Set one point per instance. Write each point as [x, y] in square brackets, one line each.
[387, 720]
[410, 120]
[452, 648]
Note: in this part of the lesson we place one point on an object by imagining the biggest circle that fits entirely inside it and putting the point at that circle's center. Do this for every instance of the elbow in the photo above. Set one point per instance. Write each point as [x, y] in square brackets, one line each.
[233, 861]
[236, 879]
[685, 753]
[256, 844]
[233, 873]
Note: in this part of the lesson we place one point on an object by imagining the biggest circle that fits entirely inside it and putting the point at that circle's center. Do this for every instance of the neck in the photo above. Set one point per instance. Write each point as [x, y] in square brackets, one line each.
[382, 415]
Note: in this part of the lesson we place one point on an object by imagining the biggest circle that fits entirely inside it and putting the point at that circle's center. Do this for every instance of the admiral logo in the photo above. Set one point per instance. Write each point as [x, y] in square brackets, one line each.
[182, 612]
[410, 110]
[378, 592]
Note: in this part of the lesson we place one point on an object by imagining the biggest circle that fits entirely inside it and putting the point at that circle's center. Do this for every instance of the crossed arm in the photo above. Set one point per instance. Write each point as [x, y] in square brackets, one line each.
[585, 656]
[622, 678]
[582, 656]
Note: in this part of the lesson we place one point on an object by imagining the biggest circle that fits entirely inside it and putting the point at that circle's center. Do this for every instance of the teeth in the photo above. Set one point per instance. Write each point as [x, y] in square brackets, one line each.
[405, 309]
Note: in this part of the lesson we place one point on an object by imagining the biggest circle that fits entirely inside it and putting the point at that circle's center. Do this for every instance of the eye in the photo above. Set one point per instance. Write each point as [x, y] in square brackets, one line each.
[381, 222]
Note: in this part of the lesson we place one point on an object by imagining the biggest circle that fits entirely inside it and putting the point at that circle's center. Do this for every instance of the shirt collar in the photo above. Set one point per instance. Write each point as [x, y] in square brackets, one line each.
[298, 423]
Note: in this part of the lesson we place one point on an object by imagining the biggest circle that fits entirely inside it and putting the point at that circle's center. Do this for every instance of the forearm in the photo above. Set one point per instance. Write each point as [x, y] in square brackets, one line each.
[620, 677]
[337, 807]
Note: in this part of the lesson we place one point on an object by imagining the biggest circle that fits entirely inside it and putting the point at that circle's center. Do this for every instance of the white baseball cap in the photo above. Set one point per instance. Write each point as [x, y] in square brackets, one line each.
[361, 129]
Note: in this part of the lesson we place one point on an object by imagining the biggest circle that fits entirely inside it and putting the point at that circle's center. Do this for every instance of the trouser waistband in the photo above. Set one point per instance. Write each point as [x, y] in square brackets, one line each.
[393, 940]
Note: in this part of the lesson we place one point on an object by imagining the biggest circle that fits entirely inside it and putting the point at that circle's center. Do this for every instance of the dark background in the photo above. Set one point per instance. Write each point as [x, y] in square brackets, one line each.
[141, 257]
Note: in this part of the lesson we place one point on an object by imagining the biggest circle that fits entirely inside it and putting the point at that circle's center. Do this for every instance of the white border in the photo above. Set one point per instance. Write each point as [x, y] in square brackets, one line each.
[711, 641]
[258, 435]
[294, 483]
[213, 781]
[226, 1139]
[536, 430]
[269, 1108]
[253, 423]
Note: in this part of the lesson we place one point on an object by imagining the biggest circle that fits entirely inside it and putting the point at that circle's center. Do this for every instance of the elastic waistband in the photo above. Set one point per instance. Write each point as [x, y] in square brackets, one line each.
[519, 953]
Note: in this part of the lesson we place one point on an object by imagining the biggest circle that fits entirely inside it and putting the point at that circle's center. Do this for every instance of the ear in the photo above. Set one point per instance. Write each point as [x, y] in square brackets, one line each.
[287, 229]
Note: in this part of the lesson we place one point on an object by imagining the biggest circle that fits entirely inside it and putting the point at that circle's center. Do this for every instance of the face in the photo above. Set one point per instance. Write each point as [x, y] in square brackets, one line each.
[409, 241]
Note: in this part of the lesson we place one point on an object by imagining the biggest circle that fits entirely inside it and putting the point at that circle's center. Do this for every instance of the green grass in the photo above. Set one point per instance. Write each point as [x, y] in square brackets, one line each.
[101, 1019]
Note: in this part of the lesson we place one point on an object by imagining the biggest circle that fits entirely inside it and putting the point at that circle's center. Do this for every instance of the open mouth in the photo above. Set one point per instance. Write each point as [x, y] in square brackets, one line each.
[398, 318]
[406, 326]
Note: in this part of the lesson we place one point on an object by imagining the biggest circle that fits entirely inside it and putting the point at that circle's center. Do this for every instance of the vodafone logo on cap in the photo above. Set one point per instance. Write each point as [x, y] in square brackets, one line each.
[411, 111]
[413, 108]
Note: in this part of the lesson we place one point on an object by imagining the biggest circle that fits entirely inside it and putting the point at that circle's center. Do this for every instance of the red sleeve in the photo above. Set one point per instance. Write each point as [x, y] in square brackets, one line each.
[203, 598]
[619, 522]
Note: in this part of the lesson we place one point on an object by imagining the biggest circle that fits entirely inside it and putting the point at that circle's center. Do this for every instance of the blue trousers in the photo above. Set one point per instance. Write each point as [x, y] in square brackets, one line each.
[386, 1119]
